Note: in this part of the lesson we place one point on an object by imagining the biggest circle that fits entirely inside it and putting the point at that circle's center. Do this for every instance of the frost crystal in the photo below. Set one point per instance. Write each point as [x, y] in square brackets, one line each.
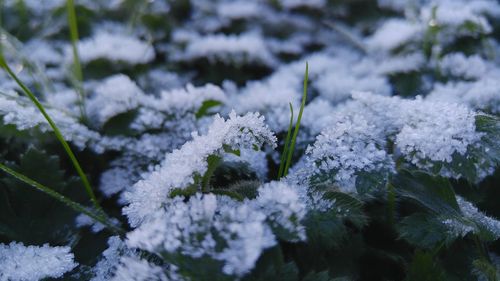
[114, 47]
[283, 208]
[106, 267]
[459, 65]
[180, 167]
[194, 229]
[116, 94]
[26, 263]
[347, 148]
[471, 212]
[393, 33]
[425, 133]
[134, 269]
[237, 49]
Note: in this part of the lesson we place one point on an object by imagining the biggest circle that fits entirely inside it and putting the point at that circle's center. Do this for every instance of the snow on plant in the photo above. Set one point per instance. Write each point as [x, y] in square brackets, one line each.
[433, 136]
[19, 112]
[283, 208]
[398, 141]
[19, 262]
[223, 229]
[115, 47]
[183, 167]
[194, 228]
[347, 148]
[237, 49]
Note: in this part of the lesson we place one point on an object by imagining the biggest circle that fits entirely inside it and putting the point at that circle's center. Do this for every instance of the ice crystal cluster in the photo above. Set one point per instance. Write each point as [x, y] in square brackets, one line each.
[19, 262]
[180, 123]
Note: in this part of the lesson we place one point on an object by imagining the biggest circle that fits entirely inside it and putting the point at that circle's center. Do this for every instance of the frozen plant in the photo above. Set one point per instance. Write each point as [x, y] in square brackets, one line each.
[181, 167]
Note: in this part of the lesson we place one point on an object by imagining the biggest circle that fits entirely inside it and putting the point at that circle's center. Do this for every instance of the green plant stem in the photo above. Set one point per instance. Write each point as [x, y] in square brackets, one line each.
[297, 125]
[101, 218]
[56, 130]
[287, 142]
[77, 67]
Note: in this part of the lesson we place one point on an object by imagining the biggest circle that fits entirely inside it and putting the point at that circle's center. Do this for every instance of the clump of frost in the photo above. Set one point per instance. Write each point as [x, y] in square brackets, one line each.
[473, 221]
[180, 167]
[114, 95]
[436, 131]
[31, 263]
[42, 51]
[457, 64]
[471, 212]
[337, 86]
[230, 49]
[135, 269]
[284, 209]
[430, 135]
[106, 267]
[193, 228]
[292, 4]
[114, 47]
[394, 33]
[238, 9]
[83, 220]
[483, 94]
[457, 228]
[18, 111]
[456, 14]
[346, 148]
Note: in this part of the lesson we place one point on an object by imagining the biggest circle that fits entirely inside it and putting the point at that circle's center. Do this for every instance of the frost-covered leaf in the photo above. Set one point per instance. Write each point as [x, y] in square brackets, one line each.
[182, 167]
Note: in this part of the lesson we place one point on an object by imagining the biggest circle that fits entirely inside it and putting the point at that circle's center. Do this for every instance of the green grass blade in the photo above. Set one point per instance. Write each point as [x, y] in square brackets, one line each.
[56, 130]
[101, 218]
[77, 67]
[287, 143]
[297, 125]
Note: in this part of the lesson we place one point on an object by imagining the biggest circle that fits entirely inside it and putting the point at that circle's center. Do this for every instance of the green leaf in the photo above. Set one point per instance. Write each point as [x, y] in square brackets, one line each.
[484, 270]
[347, 208]
[120, 124]
[205, 107]
[423, 231]
[424, 268]
[229, 149]
[33, 216]
[324, 229]
[434, 193]
[319, 276]
[271, 266]
[369, 183]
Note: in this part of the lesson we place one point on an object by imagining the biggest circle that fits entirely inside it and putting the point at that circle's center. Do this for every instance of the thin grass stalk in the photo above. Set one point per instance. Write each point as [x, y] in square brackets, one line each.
[287, 143]
[297, 125]
[56, 130]
[101, 218]
[77, 67]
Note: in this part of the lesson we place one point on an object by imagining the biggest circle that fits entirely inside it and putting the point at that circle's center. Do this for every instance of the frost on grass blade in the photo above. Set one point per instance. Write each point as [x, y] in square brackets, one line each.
[31, 263]
[184, 167]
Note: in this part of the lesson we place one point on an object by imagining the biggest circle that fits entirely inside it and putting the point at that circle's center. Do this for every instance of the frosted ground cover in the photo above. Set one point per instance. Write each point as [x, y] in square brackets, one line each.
[181, 122]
